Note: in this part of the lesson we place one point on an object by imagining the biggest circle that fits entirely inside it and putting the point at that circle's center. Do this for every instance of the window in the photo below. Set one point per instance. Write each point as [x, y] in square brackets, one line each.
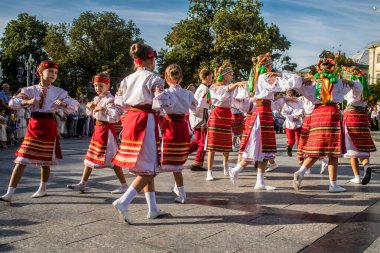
[378, 58]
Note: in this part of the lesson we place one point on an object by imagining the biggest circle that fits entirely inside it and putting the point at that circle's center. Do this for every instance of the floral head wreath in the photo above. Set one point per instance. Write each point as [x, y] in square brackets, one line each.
[325, 61]
[264, 60]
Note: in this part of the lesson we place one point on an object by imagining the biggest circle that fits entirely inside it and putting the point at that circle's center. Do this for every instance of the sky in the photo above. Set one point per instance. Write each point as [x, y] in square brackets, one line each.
[310, 25]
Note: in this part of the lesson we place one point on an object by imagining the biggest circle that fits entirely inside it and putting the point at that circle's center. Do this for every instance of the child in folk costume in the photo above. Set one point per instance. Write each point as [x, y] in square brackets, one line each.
[358, 138]
[198, 119]
[308, 107]
[325, 134]
[219, 134]
[293, 112]
[40, 146]
[138, 150]
[174, 127]
[103, 145]
[260, 144]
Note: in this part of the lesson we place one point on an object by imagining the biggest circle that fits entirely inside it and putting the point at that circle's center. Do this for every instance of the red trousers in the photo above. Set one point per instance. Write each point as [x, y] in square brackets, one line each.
[198, 145]
[293, 136]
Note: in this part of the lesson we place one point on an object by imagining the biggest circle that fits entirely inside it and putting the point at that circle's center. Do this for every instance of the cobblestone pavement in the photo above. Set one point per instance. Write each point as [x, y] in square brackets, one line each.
[217, 217]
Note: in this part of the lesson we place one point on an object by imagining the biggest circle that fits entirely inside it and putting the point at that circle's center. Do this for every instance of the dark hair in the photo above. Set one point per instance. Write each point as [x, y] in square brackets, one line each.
[141, 51]
[204, 73]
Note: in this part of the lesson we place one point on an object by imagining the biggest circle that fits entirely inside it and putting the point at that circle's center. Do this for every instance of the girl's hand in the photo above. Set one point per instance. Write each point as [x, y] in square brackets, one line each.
[90, 105]
[59, 102]
[98, 109]
[32, 101]
[290, 99]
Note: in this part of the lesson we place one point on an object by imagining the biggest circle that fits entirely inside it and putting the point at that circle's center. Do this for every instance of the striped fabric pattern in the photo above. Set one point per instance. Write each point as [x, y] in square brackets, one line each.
[219, 134]
[96, 152]
[268, 134]
[237, 124]
[304, 136]
[134, 128]
[325, 135]
[246, 131]
[40, 140]
[359, 130]
[175, 143]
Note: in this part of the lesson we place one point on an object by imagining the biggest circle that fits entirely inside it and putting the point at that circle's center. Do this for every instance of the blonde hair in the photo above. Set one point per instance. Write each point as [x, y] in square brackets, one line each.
[174, 73]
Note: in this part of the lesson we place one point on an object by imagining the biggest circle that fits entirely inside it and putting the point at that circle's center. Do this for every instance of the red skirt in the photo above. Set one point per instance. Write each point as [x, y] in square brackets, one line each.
[325, 134]
[134, 129]
[219, 134]
[359, 130]
[304, 136]
[96, 152]
[268, 135]
[41, 139]
[237, 124]
[246, 131]
[175, 142]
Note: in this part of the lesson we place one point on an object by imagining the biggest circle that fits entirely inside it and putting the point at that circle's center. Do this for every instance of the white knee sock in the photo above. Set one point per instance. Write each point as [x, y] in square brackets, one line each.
[260, 178]
[151, 201]
[10, 191]
[238, 168]
[128, 196]
[302, 170]
[181, 191]
[42, 186]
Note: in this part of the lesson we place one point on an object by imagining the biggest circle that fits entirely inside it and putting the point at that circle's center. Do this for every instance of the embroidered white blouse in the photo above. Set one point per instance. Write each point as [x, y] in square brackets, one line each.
[52, 94]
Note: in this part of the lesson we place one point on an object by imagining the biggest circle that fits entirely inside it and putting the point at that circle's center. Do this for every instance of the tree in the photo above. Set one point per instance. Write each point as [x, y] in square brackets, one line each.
[219, 30]
[22, 37]
[94, 42]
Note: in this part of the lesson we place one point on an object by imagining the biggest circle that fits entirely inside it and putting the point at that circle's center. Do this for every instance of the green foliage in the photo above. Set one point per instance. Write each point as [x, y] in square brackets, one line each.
[375, 90]
[94, 42]
[218, 30]
[21, 37]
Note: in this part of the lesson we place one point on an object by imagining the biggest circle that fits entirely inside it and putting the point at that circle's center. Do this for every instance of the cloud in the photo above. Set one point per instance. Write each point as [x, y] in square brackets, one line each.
[312, 26]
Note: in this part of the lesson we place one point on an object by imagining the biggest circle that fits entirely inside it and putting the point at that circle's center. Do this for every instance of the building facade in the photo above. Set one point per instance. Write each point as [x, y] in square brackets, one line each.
[374, 63]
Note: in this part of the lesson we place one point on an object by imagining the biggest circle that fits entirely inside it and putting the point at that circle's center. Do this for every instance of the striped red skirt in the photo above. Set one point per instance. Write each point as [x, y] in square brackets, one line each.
[304, 136]
[97, 149]
[268, 134]
[219, 134]
[237, 124]
[359, 130]
[175, 144]
[134, 129]
[246, 131]
[41, 139]
[325, 133]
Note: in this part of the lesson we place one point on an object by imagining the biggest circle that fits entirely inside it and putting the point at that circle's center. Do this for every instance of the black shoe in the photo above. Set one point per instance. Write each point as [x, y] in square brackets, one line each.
[367, 176]
[197, 168]
[289, 150]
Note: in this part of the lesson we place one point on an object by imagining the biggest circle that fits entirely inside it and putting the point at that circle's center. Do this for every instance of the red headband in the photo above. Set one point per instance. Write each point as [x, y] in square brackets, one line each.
[100, 79]
[46, 65]
[151, 54]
